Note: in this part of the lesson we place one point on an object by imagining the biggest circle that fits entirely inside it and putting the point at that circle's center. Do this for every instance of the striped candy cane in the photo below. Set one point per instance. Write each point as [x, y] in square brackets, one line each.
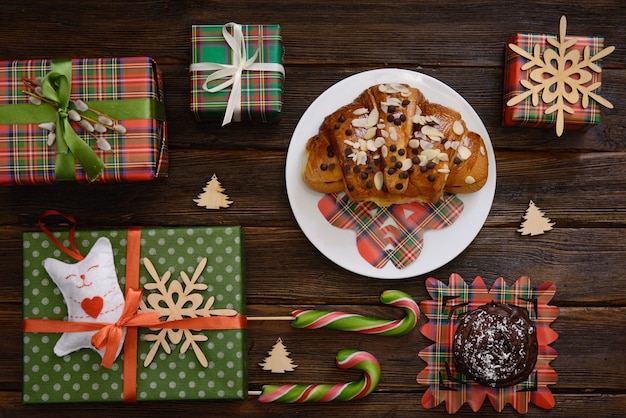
[346, 359]
[345, 321]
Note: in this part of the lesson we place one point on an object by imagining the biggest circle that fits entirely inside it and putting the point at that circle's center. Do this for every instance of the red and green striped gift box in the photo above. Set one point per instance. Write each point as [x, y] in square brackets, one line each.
[129, 90]
[525, 113]
[261, 91]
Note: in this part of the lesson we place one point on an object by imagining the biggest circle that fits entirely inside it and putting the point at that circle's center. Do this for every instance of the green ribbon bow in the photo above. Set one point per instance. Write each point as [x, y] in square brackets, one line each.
[56, 86]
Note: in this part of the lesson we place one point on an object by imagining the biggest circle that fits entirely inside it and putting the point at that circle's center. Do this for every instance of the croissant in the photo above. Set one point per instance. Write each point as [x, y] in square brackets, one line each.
[391, 145]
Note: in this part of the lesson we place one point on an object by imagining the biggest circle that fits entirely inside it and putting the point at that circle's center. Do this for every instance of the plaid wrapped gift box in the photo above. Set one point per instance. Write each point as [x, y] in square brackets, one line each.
[261, 88]
[525, 113]
[177, 375]
[130, 90]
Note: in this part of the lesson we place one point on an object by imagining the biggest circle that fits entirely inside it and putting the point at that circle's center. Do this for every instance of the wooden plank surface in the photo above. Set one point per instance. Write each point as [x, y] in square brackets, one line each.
[579, 180]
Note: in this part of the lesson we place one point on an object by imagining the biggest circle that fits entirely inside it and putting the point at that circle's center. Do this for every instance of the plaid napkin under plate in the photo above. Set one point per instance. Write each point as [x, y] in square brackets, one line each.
[394, 233]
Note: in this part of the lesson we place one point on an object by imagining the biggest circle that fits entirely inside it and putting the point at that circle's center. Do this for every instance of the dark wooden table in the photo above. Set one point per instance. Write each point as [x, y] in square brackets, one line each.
[578, 179]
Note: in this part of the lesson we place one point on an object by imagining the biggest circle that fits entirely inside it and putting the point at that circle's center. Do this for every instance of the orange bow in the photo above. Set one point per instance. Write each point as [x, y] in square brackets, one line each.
[109, 337]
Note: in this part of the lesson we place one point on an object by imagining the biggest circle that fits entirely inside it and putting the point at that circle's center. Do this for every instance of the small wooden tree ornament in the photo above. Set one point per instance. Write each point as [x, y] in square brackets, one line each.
[213, 196]
[535, 222]
[278, 360]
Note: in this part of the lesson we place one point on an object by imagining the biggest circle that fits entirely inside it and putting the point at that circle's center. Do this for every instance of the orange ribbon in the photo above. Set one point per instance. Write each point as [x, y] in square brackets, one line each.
[109, 336]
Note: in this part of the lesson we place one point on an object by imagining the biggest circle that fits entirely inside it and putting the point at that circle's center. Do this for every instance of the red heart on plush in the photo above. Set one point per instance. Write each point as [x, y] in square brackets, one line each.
[93, 306]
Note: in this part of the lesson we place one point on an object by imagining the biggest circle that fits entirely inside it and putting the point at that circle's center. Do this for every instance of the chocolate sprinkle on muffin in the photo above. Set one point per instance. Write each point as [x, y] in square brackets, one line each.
[496, 345]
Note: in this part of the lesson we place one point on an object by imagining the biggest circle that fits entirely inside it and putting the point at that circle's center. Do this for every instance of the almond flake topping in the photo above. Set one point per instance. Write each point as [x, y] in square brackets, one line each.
[470, 180]
[360, 111]
[378, 180]
[359, 122]
[457, 127]
[406, 164]
[393, 134]
[371, 133]
[464, 153]
[431, 131]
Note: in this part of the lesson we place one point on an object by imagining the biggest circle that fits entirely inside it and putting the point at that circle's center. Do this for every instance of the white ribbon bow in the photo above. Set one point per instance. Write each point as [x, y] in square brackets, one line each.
[241, 63]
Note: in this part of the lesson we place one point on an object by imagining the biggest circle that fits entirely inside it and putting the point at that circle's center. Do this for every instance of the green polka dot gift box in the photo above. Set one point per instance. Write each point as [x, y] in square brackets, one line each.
[134, 315]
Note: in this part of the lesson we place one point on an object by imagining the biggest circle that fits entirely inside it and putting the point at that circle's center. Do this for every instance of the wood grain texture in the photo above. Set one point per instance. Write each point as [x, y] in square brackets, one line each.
[579, 180]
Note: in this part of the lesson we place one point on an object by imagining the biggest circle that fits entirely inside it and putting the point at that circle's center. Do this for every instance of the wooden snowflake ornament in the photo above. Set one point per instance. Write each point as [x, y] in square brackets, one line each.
[535, 222]
[212, 196]
[561, 76]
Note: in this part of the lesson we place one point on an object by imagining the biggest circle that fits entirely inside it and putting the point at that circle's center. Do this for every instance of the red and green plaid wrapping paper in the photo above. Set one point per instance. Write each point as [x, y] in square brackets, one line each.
[138, 155]
[261, 92]
[399, 226]
[524, 113]
[448, 302]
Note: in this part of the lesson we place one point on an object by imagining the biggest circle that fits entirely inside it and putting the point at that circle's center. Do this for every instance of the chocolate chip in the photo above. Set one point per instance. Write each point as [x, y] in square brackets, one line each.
[398, 164]
[403, 118]
[391, 171]
[323, 167]
[342, 118]
[457, 160]
[356, 169]
[330, 154]
[331, 166]
[394, 158]
[347, 151]
[350, 187]
[404, 175]
[399, 186]
[431, 177]
[348, 132]
[346, 168]
[364, 176]
[401, 151]
[393, 148]
[369, 184]
[423, 169]
[337, 125]
[391, 109]
[397, 122]
[430, 165]
[390, 118]
[406, 102]
[415, 160]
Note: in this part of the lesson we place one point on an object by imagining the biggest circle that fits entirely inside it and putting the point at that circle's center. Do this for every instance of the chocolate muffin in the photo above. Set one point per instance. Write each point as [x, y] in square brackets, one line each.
[496, 345]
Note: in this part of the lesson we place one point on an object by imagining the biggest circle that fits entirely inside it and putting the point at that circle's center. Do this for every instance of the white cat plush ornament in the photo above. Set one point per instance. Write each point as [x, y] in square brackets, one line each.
[91, 292]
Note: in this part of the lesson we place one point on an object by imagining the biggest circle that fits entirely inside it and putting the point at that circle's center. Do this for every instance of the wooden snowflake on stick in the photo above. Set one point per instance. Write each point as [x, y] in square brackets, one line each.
[174, 301]
[561, 76]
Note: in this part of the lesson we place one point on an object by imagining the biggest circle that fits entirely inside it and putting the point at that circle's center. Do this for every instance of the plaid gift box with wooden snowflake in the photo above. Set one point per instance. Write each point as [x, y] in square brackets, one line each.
[552, 81]
[81, 120]
[193, 345]
[236, 73]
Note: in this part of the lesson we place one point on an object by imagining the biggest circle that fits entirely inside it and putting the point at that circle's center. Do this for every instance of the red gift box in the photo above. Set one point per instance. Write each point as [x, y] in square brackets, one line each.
[533, 96]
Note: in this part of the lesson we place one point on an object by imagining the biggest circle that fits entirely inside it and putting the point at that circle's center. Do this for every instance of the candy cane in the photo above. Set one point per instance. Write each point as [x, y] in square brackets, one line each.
[345, 321]
[346, 359]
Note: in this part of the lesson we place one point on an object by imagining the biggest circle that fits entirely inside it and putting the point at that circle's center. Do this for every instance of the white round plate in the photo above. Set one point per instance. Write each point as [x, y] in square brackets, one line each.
[339, 245]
